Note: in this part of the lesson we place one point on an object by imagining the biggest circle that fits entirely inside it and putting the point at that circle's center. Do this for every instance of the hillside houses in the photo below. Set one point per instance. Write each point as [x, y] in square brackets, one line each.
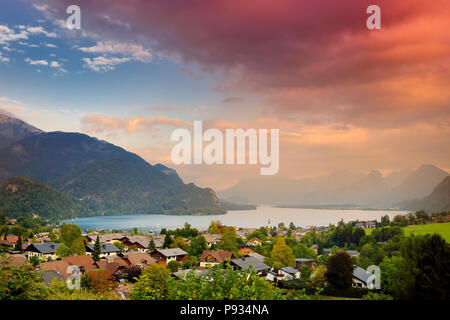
[104, 238]
[136, 243]
[106, 249]
[366, 225]
[212, 258]
[247, 262]
[363, 278]
[44, 251]
[166, 255]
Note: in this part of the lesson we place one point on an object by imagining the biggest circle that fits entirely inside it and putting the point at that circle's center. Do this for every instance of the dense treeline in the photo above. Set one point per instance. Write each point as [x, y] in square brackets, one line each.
[21, 197]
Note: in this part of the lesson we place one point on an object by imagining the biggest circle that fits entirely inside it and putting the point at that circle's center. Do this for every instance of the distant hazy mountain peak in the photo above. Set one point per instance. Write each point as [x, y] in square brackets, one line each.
[13, 129]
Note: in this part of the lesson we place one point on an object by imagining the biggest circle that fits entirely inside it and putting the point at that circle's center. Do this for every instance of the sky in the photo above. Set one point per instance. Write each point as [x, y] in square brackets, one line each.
[343, 97]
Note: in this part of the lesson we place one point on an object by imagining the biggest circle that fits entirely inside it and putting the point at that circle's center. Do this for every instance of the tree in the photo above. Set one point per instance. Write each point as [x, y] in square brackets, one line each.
[167, 241]
[18, 245]
[120, 246]
[340, 271]
[71, 236]
[282, 255]
[151, 246]
[305, 273]
[152, 284]
[370, 254]
[292, 226]
[221, 284]
[97, 249]
[302, 251]
[98, 281]
[319, 276]
[197, 246]
[395, 279]
[385, 221]
[400, 221]
[63, 251]
[320, 248]
[173, 265]
[213, 228]
[131, 274]
[428, 262]
[178, 242]
[34, 260]
[21, 283]
[229, 240]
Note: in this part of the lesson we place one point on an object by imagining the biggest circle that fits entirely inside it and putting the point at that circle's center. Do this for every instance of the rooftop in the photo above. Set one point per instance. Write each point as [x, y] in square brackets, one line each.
[246, 261]
[172, 252]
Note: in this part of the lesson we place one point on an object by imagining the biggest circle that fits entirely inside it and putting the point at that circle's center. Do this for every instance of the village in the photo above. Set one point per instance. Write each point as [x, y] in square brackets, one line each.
[124, 252]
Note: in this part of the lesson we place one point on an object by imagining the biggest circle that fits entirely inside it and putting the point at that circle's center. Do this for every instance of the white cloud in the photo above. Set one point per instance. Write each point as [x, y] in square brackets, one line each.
[50, 45]
[41, 30]
[103, 64]
[36, 62]
[133, 51]
[7, 35]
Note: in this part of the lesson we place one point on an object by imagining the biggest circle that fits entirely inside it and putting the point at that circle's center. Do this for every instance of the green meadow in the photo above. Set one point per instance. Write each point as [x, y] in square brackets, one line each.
[442, 228]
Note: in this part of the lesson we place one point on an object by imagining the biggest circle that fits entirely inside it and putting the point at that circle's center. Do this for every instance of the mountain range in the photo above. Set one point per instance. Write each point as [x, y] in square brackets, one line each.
[342, 188]
[437, 201]
[105, 178]
[13, 129]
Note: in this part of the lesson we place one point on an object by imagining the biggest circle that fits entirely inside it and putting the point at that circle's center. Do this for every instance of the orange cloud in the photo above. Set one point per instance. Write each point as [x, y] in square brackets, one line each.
[97, 123]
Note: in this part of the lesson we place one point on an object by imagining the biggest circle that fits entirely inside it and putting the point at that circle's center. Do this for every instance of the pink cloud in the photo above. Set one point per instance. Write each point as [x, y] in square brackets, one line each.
[97, 123]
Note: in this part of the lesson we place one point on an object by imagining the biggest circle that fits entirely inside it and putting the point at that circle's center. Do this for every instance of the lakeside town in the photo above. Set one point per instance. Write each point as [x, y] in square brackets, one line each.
[45, 261]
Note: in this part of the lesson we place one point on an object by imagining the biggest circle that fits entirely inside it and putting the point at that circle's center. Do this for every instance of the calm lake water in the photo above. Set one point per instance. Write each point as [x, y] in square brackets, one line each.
[242, 218]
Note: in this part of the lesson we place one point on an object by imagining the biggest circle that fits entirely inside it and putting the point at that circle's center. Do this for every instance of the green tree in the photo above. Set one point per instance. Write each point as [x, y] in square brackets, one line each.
[319, 276]
[229, 240]
[385, 221]
[21, 283]
[120, 246]
[18, 245]
[63, 251]
[340, 271]
[97, 249]
[213, 228]
[34, 260]
[71, 236]
[151, 246]
[395, 277]
[282, 255]
[302, 251]
[167, 241]
[197, 246]
[305, 273]
[152, 284]
[220, 284]
[428, 259]
[173, 265]
[179, 242]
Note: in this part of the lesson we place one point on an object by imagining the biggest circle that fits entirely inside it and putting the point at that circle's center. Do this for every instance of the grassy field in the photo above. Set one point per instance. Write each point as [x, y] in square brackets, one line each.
[442, 228]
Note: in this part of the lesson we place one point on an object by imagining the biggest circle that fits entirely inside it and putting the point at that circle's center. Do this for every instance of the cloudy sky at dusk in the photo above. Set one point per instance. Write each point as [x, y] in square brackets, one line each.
[343, 97]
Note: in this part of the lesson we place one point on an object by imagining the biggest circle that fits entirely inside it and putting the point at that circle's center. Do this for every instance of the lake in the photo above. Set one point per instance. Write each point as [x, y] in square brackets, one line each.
[242, 218]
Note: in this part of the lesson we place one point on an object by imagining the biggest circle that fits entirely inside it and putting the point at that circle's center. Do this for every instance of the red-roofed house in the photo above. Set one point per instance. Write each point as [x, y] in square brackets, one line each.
[212, 258]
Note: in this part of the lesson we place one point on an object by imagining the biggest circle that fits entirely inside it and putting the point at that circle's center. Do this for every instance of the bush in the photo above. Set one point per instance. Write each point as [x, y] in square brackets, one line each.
[377, 296]
[173, 266]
